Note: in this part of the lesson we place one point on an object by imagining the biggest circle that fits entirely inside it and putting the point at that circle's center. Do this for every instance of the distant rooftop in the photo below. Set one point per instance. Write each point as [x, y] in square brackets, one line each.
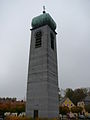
[87, 100]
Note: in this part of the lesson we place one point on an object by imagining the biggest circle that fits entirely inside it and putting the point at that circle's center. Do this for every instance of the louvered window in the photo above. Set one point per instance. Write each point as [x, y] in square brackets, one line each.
[38, 37]
[52, 41]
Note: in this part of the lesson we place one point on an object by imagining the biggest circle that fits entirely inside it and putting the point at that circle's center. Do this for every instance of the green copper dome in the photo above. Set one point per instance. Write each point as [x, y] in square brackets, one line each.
[43, 19]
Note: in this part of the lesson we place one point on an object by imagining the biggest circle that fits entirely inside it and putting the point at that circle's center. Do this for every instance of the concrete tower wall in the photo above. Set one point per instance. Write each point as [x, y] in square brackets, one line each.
[42, 86]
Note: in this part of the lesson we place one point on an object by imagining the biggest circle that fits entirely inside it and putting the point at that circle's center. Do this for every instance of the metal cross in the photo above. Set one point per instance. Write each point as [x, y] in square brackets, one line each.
[43, 9]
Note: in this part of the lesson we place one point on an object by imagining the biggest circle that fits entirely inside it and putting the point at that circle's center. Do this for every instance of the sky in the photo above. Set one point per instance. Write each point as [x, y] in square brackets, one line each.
[73, 43]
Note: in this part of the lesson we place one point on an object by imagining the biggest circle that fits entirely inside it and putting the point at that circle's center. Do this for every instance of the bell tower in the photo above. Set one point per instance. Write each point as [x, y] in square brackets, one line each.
[42, 85]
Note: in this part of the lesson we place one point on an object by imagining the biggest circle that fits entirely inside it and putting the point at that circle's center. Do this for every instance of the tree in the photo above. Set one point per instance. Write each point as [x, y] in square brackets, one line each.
[17, 118]
[77, 95]
[69, 93]
[20, 108]
[12, 107]
[63, 110]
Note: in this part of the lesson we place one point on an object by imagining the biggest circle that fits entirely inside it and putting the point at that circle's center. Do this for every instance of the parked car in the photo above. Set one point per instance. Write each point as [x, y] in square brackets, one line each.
[1, 118]
[88, 116]
[81, 117]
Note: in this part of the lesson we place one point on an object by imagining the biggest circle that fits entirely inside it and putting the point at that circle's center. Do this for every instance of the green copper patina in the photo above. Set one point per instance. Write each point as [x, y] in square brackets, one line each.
[43, 19]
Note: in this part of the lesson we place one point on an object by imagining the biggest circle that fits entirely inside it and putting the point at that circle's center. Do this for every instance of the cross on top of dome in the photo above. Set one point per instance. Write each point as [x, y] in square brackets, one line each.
[44, 9]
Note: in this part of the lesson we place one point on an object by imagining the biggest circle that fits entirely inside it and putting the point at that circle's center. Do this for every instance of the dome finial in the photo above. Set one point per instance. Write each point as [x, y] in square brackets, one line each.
[44, 9]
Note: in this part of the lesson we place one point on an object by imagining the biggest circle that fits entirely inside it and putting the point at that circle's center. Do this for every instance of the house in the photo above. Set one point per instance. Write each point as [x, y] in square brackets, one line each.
[81, 104]
[66, 102]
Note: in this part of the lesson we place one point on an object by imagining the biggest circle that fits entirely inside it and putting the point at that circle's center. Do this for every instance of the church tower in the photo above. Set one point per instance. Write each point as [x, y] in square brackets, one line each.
[42, 85]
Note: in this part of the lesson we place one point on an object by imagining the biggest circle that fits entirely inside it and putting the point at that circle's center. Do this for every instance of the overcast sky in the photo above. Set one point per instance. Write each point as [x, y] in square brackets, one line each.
[73, 42]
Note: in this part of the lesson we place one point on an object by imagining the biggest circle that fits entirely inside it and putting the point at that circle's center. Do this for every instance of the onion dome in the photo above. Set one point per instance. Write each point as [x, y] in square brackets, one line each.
[43, 19]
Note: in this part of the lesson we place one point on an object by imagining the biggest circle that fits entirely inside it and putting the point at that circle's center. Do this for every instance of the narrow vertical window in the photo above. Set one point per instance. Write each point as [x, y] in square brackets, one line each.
[52, 41]
[38, 37]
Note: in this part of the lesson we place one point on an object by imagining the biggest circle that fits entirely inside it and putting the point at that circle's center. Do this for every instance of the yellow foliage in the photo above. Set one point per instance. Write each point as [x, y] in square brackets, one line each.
[48, 119]
[25, 118]
[16, 118]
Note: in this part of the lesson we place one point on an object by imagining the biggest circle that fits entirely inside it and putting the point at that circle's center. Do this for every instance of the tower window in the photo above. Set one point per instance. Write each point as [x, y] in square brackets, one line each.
[52, 41]
[38, 37]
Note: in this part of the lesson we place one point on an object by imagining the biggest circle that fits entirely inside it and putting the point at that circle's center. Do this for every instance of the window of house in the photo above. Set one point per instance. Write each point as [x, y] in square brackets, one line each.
[67, 105]
[52, 41]
[38, 37]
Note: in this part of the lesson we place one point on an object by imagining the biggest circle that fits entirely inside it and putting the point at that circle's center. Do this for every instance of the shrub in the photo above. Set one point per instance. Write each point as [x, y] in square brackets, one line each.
[76, 109]
[63, 110]
[87, 108]
[16, 118]
[26, 118]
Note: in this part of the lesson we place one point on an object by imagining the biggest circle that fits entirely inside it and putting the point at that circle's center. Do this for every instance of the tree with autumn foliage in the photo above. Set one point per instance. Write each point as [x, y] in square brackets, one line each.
[17, 118]
[26, 118]
[12, 107]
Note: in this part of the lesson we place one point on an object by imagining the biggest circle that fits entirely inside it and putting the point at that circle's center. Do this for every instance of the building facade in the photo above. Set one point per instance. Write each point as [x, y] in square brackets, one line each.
[66, 102]
[42, 86]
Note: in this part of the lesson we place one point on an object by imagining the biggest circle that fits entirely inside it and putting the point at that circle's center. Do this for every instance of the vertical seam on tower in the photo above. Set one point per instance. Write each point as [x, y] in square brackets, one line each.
[47, 65]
